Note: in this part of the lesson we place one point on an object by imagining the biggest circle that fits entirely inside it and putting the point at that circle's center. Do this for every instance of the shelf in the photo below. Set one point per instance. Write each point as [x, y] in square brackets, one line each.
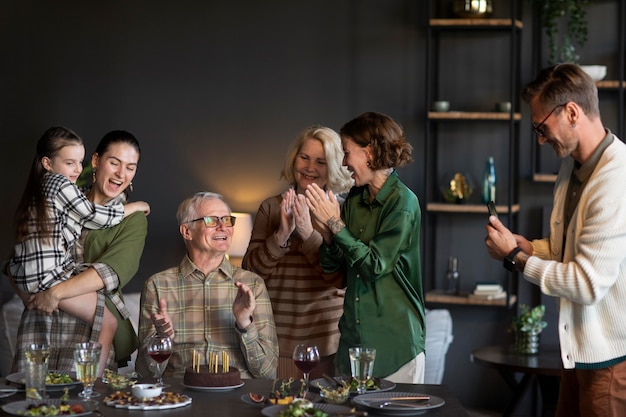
[448, 135]
[610, 84]
[464, 115]
[537, 177]
[476, 23]
[438, 297]
[468, 208]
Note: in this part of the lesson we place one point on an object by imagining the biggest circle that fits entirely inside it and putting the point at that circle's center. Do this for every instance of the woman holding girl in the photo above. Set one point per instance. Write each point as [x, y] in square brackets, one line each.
[112, 256]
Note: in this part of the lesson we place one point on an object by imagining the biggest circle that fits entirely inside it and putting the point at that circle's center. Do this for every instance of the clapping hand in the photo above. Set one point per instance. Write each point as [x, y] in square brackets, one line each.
[162, 321]
[302, 217]
[244, 305]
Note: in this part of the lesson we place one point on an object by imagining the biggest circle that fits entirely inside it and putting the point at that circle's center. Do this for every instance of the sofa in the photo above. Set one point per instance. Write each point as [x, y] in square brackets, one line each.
[438, 336]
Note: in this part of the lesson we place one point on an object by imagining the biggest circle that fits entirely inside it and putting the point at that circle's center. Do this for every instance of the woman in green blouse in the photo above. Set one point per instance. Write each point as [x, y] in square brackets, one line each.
[375, 235]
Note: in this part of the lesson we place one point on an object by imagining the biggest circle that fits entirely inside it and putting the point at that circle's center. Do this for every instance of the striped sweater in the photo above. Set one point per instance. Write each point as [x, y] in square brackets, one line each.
[307, 302]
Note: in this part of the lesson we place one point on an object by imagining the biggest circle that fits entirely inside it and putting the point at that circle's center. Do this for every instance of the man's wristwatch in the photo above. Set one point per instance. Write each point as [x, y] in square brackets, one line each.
[509, 260]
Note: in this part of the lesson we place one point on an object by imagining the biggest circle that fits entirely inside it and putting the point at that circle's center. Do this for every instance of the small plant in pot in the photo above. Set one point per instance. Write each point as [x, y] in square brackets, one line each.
[570, 15]
[527, 327]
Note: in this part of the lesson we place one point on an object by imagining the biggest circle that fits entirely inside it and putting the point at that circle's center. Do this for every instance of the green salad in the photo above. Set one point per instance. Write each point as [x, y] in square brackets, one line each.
[301, 407]
[55, 378]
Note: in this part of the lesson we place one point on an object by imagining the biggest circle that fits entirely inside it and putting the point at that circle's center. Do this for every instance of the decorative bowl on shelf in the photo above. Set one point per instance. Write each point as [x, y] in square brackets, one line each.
[456, 188]
[596, 72]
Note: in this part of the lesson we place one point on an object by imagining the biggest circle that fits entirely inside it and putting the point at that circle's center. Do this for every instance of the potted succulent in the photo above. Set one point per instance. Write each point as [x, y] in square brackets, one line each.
[554, 14]
[527, 327]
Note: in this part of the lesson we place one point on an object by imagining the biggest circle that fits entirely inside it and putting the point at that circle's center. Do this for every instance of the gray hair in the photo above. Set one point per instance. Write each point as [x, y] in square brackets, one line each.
[188, 209]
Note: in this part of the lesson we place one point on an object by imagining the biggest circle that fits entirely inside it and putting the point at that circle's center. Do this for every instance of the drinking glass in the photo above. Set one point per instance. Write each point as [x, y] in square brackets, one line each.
[306, 357]
[362, 365]
[36, 370]
[86, 360]
[160, 350]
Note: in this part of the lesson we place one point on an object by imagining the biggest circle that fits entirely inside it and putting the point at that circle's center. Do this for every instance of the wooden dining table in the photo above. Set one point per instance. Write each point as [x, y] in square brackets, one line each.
[229, 403]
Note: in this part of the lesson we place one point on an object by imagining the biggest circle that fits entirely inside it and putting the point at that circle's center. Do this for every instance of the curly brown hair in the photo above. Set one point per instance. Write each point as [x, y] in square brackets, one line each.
[389, 146]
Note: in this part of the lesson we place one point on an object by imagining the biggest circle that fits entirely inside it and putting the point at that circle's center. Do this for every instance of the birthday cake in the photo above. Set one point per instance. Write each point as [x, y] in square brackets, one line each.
[203, 377]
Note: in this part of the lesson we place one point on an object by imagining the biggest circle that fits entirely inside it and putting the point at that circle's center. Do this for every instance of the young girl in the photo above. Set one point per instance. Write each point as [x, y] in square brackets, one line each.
[50, 218]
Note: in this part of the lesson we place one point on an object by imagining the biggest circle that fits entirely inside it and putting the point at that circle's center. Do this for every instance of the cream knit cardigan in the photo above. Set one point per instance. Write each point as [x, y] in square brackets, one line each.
[590, 281]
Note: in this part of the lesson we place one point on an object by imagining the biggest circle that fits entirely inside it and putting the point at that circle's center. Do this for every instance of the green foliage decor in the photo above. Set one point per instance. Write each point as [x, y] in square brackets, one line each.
[530, 320]
[553, 13]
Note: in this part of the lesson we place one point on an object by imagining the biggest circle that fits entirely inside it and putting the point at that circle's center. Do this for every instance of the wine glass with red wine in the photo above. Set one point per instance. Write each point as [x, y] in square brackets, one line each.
[306, 357]
[160, 350]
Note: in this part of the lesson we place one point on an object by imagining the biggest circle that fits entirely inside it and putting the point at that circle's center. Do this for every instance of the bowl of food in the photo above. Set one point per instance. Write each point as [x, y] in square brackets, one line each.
[335, 395]
[146, 391]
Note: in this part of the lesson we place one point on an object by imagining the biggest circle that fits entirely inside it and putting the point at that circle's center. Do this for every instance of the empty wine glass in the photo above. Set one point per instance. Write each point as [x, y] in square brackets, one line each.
[86, 359]
[160, 350]
[306, 357]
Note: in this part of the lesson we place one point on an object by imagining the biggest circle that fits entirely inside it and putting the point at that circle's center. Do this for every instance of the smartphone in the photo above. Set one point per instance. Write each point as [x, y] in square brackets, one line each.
[491, 206]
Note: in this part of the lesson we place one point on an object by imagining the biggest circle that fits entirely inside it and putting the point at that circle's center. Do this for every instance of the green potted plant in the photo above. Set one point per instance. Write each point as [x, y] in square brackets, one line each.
[527, 326]
[554, 14]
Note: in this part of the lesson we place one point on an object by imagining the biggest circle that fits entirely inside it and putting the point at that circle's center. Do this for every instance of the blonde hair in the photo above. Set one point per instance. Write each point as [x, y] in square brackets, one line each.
[339, 180]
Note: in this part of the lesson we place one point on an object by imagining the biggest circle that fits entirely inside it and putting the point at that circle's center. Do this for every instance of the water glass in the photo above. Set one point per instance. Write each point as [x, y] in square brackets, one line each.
[86, 359]
[36, 370]
[362, 366]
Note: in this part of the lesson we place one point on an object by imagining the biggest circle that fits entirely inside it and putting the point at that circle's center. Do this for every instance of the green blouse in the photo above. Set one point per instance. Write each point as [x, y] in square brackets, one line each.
[380, 249]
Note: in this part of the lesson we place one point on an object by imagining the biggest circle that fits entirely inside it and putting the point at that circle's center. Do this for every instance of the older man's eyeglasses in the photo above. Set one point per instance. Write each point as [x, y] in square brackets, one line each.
[539, 129]
[212, 221]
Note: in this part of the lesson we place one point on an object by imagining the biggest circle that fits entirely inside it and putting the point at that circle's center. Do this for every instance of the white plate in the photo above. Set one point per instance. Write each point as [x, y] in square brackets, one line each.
[18, 408]
[274, 410]
[7, 391]
[372, 402]
[383, 385]
[19, 379]
[147, 405]
[217, 389]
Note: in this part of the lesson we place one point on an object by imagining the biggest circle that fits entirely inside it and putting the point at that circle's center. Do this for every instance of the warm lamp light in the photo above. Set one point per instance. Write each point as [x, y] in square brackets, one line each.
[241, 235]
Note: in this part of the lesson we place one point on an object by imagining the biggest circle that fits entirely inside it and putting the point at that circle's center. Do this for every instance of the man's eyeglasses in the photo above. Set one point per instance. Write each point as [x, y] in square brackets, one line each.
[211, 221]
[540, 129]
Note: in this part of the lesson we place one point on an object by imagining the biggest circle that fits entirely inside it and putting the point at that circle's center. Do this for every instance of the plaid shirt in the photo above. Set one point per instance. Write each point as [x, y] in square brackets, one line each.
[201, 309]
[61, 330]
[39, 263]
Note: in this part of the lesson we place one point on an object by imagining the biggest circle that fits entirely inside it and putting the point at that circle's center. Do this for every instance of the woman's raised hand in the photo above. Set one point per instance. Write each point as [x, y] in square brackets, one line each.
[287, 222]
[322, 206]
[302, 217]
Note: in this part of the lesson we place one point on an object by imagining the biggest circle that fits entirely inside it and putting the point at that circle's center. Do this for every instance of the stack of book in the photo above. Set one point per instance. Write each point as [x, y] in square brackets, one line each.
[488, 291]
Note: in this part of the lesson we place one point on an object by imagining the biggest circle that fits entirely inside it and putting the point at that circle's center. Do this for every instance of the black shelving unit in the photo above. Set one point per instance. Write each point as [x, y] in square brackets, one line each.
[472, 114]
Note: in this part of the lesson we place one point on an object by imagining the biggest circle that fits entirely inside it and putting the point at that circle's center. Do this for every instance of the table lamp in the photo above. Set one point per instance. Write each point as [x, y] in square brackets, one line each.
[241, 237]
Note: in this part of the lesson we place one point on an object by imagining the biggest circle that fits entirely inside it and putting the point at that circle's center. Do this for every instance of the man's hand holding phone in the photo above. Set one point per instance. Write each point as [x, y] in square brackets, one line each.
[491, 206]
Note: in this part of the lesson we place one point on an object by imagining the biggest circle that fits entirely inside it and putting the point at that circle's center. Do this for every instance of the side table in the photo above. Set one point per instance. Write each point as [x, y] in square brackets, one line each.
[544, 368]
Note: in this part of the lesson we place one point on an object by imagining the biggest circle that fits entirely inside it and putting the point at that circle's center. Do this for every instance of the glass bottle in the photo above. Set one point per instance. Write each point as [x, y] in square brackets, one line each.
[489, 181]
[452, 276]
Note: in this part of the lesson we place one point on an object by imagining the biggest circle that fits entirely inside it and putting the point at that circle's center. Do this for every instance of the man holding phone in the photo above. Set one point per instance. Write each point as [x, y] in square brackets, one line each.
[582, 262]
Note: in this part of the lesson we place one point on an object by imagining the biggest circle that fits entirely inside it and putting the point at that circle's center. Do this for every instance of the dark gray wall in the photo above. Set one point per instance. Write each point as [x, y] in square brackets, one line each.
[215, 91]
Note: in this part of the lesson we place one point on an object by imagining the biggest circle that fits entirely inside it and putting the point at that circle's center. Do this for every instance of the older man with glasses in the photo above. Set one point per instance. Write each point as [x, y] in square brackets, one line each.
[205, 304]
[582, 263]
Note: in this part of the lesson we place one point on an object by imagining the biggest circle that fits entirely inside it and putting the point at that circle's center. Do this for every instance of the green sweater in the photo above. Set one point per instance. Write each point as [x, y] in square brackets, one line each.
[384, 303]
[120, 247]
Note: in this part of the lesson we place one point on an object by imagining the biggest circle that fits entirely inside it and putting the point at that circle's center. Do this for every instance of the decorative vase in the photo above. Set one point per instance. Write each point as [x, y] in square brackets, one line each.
[456, 188]
[527, 343]
[472, 8]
